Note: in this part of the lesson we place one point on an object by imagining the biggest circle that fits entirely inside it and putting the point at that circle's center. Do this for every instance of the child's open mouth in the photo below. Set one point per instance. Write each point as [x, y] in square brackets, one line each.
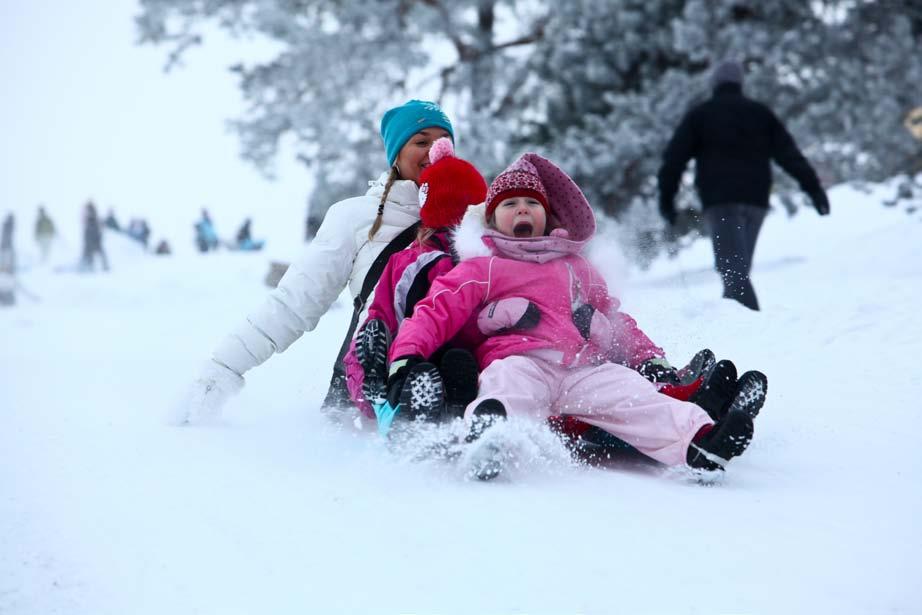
[522, 229]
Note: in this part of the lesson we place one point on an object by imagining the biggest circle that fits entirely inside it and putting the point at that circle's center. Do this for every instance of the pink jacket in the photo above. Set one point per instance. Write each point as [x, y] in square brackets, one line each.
[533, 294]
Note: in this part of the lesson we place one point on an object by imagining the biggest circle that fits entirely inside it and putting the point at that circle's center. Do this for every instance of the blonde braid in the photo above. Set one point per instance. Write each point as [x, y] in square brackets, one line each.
[387, 188]
[424, 234]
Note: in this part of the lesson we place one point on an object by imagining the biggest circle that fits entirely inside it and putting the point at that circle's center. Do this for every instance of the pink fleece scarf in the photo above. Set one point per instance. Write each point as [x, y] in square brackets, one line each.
[533, 249]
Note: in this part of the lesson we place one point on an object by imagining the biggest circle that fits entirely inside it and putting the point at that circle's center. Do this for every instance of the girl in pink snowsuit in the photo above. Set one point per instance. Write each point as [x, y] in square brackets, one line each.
[553, 341]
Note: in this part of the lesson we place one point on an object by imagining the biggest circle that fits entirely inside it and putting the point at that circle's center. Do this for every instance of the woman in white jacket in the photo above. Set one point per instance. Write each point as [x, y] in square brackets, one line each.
[353, 233]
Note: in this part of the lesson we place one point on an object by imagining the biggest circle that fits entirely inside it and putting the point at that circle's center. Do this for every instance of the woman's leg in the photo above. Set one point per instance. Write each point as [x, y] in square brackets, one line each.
[627, 405]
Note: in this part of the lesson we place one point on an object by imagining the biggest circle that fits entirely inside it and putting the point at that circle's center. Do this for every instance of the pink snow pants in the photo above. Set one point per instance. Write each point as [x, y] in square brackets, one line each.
[612, 397]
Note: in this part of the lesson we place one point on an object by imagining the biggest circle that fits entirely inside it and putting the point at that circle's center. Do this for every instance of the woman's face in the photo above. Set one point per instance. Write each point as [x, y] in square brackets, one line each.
[414, 156]
[520, 216]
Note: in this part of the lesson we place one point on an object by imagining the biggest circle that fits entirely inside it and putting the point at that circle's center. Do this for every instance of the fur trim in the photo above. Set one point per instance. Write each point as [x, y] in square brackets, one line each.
[467, 237]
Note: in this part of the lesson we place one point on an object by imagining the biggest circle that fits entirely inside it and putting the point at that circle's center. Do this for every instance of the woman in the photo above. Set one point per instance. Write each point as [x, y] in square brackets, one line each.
[354, 233]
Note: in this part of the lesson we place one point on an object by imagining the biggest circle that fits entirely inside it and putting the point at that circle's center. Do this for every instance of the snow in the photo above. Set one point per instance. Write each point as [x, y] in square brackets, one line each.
[105, 508]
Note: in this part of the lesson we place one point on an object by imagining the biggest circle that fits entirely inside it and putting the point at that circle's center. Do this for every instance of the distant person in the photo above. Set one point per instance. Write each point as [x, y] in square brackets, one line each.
[243, 234]
[205, 236]
[733, 140]
[44, 233]
[245, 240]
[139, 230]
[7, 252]
[143, 232]
[163, 248]
[110, 222]
[92, 240]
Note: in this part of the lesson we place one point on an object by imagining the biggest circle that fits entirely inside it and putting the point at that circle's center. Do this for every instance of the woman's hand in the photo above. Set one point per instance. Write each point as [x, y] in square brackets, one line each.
[207, 395]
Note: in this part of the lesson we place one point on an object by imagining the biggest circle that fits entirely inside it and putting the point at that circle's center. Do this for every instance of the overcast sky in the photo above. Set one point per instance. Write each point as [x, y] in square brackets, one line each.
[85, 113]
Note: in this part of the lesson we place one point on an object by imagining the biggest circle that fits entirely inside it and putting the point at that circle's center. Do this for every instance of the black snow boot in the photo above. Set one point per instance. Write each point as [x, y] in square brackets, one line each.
[488, 461]
[717, 390]
[700, 364]
[371, 347]
[485, 415]
[751, 389]
[727, 439]
[423, 394]
[459, 378]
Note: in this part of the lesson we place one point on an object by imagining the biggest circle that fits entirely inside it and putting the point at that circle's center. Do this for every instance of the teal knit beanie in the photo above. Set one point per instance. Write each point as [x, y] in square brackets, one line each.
[401, 123]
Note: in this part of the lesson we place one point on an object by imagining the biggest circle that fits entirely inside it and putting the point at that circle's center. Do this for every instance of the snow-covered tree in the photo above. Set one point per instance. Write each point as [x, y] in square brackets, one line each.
[597, 85]
[342, 64]
[616, 78]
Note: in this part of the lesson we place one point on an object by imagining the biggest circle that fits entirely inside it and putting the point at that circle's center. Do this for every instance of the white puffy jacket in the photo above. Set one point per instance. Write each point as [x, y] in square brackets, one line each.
[340, 254]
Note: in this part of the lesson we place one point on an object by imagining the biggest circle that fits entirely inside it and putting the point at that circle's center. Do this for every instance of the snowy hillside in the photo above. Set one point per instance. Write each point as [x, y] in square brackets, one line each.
[104, 508]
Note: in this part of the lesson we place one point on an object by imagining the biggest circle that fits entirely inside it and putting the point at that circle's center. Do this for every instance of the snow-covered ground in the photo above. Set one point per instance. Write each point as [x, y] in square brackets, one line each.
[105, 508]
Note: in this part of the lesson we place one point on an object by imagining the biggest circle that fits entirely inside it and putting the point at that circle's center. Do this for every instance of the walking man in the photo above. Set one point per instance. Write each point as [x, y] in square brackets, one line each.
[733, 140]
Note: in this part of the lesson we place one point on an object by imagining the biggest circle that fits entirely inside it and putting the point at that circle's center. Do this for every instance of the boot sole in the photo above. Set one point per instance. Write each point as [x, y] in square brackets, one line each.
[489, 461]
[423, 394]
[751, 390]
[489, 465]
[700, 364]
[371, 350]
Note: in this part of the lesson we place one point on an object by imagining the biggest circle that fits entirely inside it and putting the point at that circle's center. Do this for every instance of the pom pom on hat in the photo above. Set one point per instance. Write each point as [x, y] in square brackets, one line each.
[447, 186]
[440, 149]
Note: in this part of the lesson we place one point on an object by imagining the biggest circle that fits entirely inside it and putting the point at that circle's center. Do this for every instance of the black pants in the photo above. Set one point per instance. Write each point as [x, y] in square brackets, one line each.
[734, 230]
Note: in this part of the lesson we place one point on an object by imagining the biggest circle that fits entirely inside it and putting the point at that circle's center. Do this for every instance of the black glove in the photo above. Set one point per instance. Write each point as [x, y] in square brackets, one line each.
[397, 375]
[658, 369]
[821, 202]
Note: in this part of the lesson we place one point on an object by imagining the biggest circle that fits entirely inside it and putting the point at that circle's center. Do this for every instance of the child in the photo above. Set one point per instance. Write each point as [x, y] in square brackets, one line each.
[447, 186]
[553, 341]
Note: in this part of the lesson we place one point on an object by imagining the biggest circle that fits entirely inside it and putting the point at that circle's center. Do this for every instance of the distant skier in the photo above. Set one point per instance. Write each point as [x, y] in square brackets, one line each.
[44, 233]
[243, 234]
[205, 236]
[7, 252]
[92, 240]
[111, 222]
[733, 140]
[139, 230]
[245, 240]
[143, 232]
[163, 248]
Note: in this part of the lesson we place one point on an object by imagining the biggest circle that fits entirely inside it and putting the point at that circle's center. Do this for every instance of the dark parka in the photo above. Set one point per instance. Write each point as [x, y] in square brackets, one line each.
[733, 140]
